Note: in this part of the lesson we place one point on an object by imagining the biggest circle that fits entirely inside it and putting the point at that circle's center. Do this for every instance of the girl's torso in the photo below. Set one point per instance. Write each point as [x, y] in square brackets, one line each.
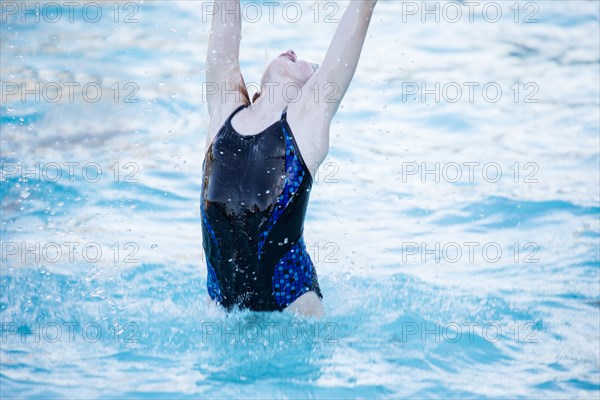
[255, 193]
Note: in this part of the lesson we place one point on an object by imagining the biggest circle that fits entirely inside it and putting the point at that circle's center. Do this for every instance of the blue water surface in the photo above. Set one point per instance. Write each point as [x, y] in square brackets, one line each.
[456, 239]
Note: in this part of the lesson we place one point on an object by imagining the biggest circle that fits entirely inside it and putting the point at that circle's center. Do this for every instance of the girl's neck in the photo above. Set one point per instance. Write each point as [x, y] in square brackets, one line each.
[269, 104]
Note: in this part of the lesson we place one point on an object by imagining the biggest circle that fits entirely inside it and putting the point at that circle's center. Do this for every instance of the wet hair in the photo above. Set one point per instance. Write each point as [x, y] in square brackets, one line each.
[255, 97]
[244, 92]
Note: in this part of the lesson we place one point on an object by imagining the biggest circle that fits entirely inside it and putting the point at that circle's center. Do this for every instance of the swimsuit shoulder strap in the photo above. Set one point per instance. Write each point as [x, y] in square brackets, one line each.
[237, 110]
[227, 123]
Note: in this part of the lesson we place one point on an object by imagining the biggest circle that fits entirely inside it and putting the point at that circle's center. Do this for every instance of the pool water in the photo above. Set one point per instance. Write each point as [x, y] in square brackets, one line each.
[455, 223]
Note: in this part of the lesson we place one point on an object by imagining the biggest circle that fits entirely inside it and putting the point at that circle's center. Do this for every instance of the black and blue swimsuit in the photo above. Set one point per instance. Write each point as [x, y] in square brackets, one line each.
[255, 192]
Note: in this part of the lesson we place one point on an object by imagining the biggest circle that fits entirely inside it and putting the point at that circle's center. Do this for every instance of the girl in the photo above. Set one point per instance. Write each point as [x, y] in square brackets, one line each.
[256, 175]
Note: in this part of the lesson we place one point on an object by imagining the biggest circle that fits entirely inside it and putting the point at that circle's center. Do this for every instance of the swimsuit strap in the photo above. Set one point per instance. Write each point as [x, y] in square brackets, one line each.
[237, 110]
[228, 121]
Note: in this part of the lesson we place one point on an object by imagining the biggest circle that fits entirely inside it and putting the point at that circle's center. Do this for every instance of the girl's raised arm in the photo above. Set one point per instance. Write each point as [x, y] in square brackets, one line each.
[338, 67]
[321, 96]
[225, 89]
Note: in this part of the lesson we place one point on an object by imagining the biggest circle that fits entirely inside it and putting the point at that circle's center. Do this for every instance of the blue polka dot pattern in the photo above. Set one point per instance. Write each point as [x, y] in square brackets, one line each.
[293, 179]
[293, 275]
[214, 291]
